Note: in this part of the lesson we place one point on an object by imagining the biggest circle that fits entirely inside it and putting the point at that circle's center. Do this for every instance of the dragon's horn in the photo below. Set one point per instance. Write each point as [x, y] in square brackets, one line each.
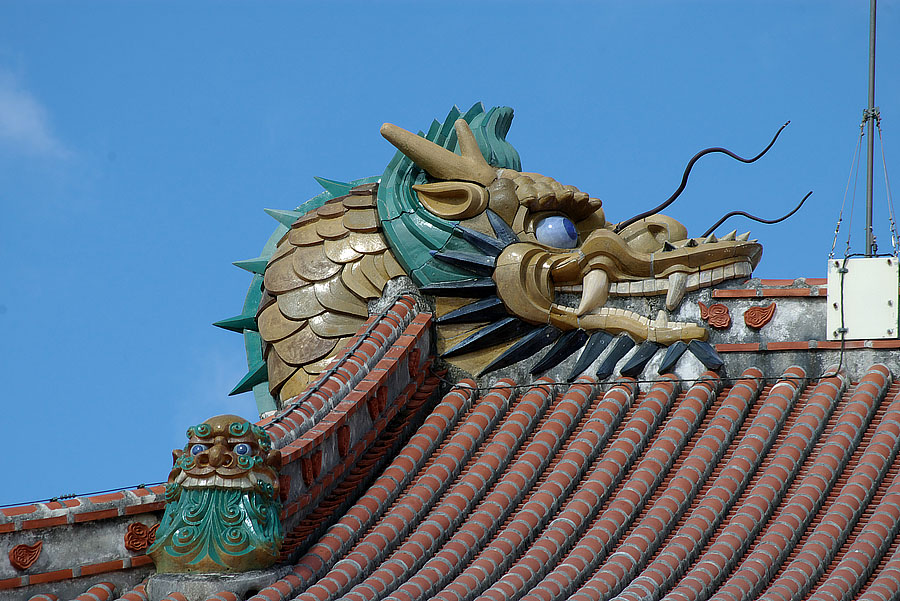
[440, 162]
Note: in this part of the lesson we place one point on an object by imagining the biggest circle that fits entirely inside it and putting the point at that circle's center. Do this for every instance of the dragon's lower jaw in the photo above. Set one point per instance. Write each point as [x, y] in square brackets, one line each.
[618, 321]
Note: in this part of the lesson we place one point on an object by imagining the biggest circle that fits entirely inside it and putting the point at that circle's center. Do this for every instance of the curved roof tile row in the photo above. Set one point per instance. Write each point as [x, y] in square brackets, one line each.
[504, 497]
[607, 528]
[422, 495]
[532, 513]
[756, 508]
[843, 512]
[753, 444]
[680, 490]
[798, 511]
[566, 493]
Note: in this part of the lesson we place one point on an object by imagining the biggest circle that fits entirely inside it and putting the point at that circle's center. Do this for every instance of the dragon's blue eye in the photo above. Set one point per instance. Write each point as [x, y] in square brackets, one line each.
[557, 231]
[242, 449]
[197, 449]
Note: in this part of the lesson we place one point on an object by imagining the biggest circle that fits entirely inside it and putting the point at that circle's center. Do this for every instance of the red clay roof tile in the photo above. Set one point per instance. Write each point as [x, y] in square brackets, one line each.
[562, 491]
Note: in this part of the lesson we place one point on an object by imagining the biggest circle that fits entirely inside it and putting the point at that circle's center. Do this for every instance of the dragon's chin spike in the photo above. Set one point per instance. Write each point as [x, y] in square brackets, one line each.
[440, 162]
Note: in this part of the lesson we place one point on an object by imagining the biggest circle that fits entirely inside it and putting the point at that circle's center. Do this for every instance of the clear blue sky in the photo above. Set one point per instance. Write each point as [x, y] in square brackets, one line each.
[139, 143]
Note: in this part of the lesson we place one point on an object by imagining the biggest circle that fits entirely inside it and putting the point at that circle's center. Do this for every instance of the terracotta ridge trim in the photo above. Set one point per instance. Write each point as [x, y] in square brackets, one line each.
[758, 505]
[816, 287]
[359, 464]
[773, 545]
[372, 393]
[358, 398]
[48, 514]
[596, 544]
[734, 293]
[318, 489]
[836, 525]
[791, 282]
[581, 451]
[826, 345]
[385, 490]
[418, 499]
[88, 569]
[692, 536]
[581, 508]
[634, 552]
[307, 409]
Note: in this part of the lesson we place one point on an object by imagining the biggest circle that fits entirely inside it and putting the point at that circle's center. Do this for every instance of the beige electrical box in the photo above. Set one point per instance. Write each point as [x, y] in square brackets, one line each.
[862, 298]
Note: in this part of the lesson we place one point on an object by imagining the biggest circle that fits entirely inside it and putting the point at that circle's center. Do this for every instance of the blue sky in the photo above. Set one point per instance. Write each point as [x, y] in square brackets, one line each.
[140, 142]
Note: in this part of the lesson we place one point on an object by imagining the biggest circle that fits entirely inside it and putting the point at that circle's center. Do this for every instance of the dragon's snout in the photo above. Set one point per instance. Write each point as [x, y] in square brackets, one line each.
[529, 276]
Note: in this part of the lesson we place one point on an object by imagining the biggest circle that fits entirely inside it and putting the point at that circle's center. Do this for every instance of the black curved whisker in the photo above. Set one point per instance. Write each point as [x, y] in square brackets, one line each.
[687, 172]
[753, 217]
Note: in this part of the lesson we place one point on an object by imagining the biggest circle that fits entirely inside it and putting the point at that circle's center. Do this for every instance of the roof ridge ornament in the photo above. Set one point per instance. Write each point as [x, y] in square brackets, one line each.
[506, 253]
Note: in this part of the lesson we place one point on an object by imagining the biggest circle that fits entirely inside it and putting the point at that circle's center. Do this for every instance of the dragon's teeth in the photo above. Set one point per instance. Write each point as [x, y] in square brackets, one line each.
[717, 275]
[595, 291]
[693, 281]
[677, 287]
[661, 319]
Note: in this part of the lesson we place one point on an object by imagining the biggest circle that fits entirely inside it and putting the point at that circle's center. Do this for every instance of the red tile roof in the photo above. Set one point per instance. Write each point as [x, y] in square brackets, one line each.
[548, 492]
[773, 486]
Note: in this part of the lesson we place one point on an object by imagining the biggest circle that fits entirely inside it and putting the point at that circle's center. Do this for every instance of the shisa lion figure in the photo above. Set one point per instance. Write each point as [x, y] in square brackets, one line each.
[525, 261]
[222, 501]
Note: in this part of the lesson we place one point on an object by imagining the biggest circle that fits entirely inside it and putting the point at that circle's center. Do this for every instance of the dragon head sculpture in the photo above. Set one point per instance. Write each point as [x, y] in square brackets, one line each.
[222, 501]
[517, 260]
[545, 237]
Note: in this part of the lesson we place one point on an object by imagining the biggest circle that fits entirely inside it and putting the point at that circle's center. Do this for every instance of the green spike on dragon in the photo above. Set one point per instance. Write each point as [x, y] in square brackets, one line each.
[516, 261]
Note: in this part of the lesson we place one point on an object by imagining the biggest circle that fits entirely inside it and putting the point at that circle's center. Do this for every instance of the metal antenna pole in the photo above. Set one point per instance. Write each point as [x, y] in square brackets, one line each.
[870, 118]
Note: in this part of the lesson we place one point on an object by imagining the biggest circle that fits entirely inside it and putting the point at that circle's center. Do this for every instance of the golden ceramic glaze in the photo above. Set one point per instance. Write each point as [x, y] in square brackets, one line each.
[321, 276]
